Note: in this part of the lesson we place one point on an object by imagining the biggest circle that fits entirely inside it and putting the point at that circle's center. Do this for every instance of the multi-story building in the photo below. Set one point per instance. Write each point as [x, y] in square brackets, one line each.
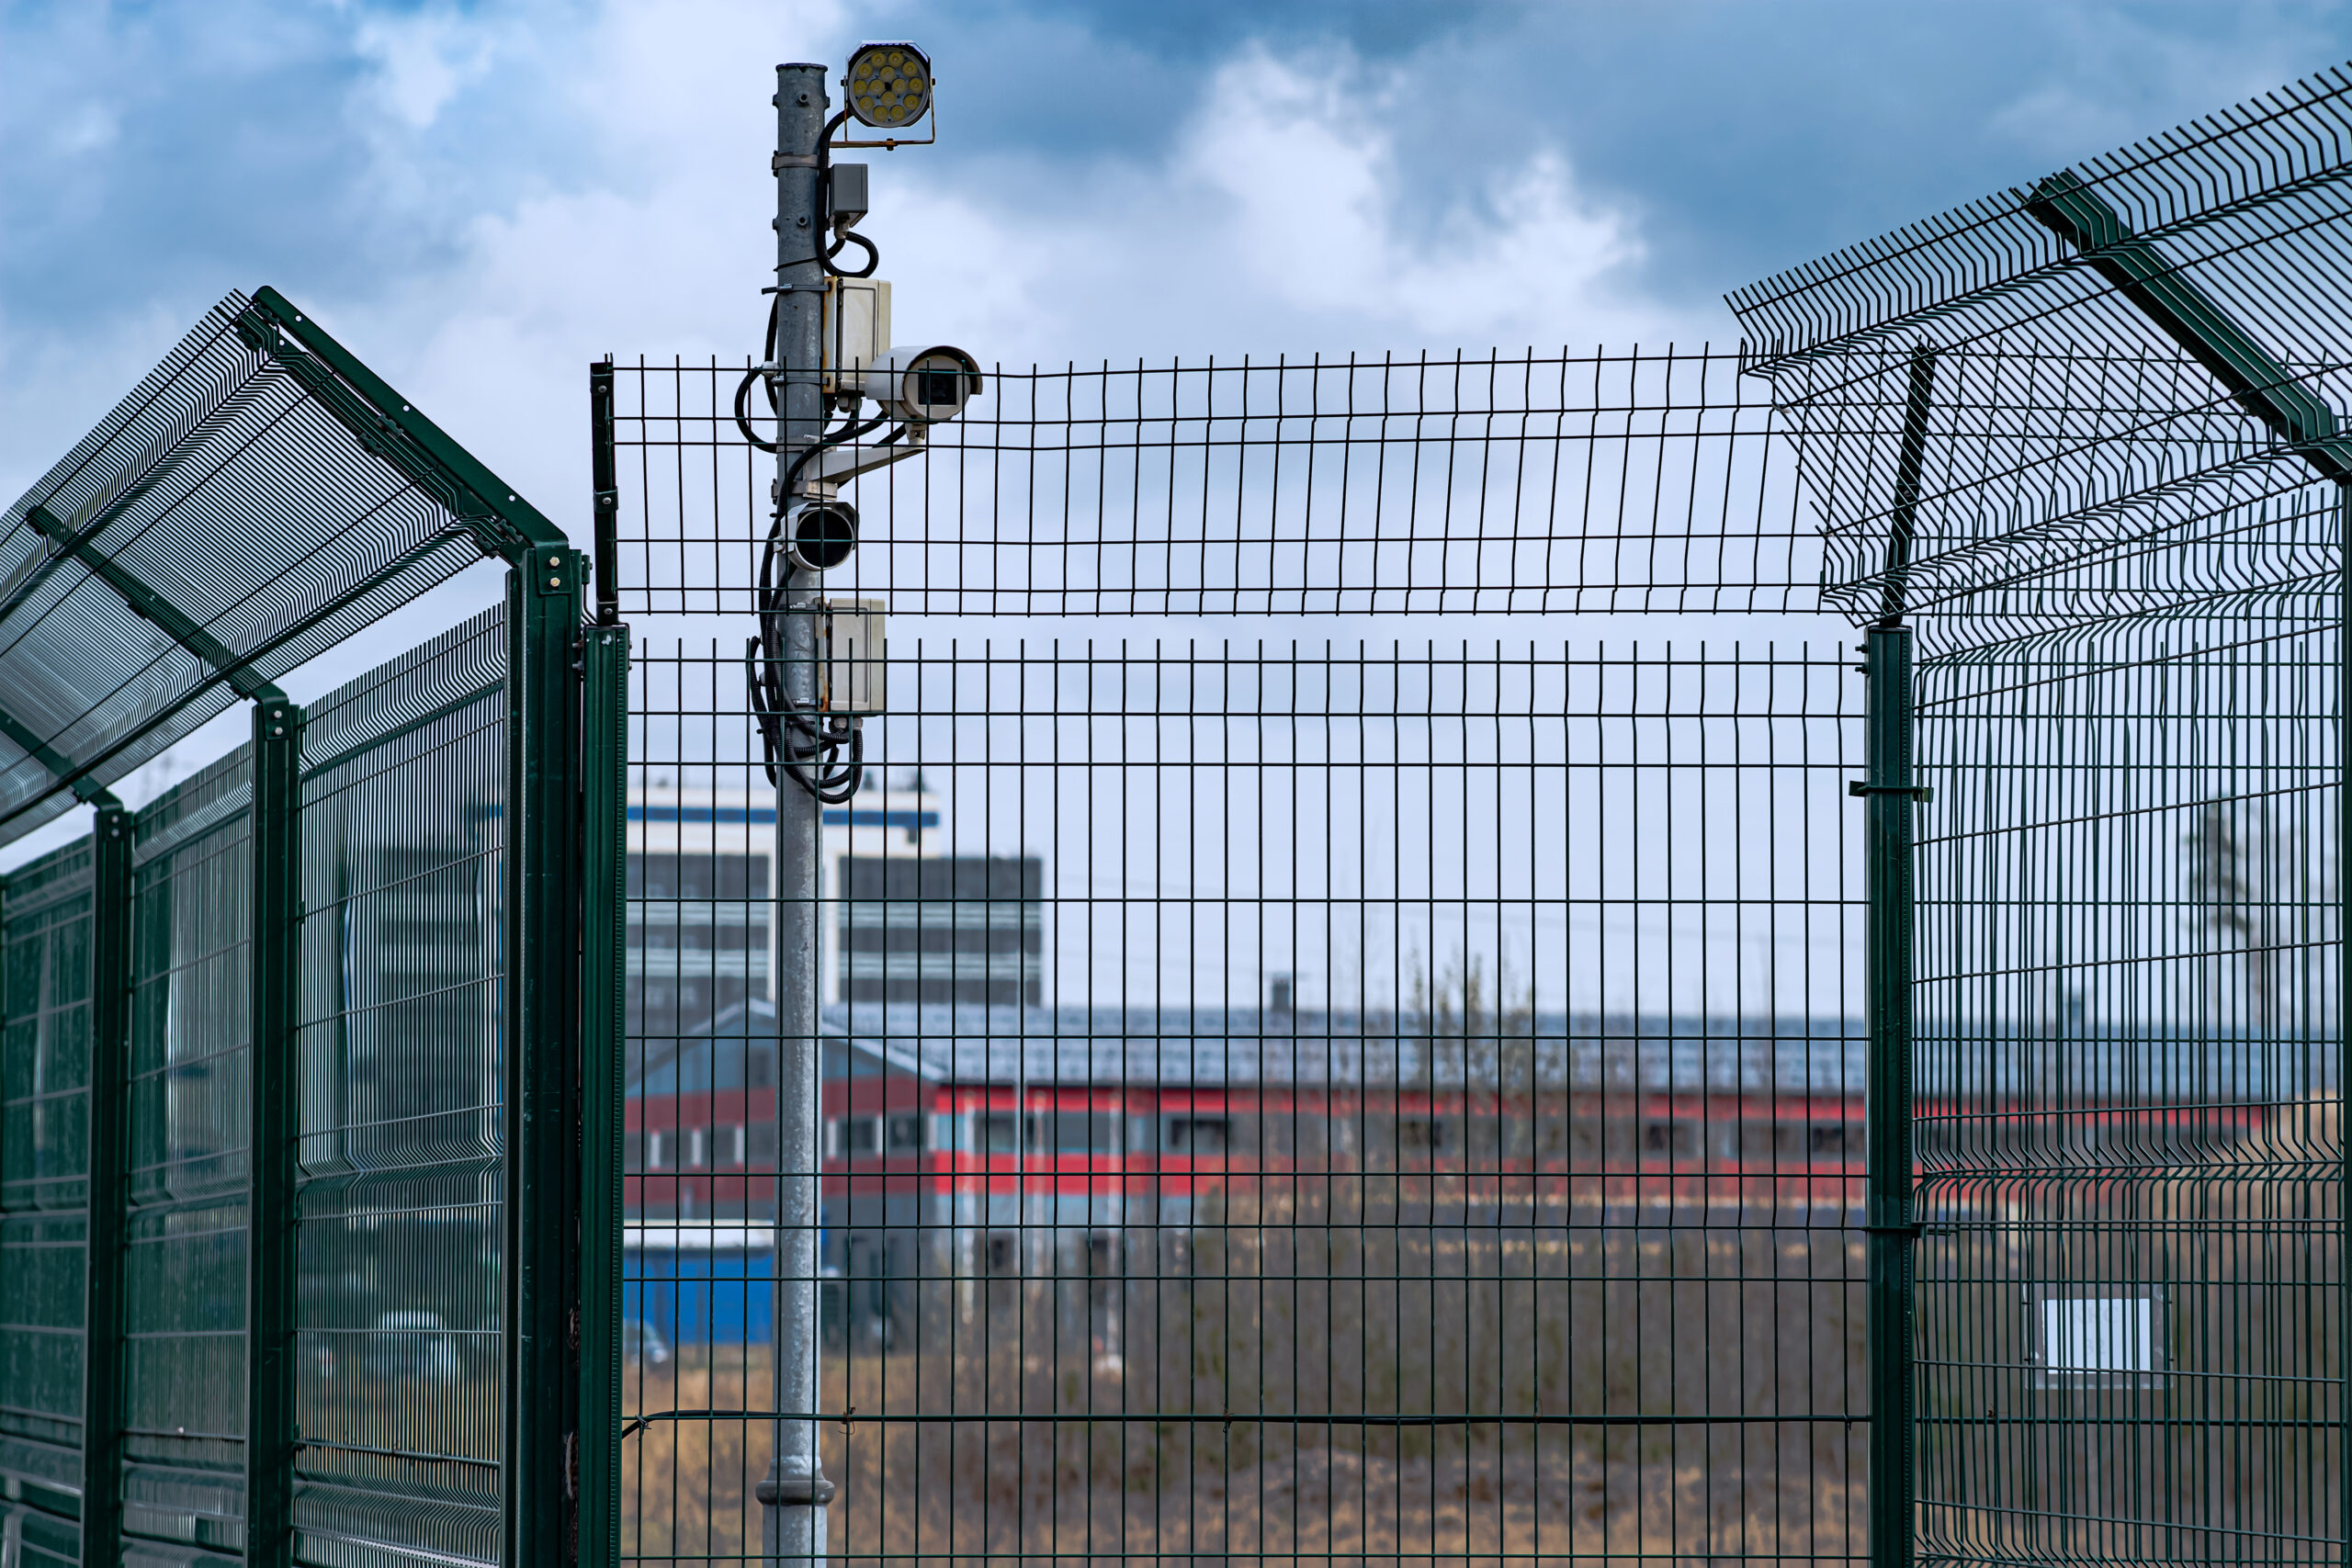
[903, 921]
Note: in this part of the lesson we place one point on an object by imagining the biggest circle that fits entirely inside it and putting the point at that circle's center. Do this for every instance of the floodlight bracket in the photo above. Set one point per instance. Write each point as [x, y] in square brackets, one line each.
[2069, 208]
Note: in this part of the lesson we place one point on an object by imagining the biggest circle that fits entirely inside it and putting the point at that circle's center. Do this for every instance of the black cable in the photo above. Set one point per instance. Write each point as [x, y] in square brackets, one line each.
[743, 419]
[772, 710]
[788, 738]
[851, 237]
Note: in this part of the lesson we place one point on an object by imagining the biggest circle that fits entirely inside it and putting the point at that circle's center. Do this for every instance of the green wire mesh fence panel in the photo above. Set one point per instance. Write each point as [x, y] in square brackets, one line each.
[43, 1199]
[398, 1343]
[184, 1392]
[2085, 435]
[1332, 1101]
[205, 1352]
[2131, 1155]
[1601, 481]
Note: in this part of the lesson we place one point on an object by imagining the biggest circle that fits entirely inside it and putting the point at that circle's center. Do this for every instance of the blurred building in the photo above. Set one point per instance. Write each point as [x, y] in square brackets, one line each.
[903, 921]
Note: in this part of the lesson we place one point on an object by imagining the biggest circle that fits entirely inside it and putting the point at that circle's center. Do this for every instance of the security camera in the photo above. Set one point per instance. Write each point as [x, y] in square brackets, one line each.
[922, 386]
[821, 534]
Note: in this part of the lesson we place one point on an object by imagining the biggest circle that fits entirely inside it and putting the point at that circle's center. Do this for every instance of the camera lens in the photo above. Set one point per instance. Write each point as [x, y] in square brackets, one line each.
[824, 536]
[938, 388]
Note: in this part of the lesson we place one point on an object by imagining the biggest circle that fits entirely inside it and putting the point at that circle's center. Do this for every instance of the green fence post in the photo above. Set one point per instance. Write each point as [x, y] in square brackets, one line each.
[605, 848]
[1890, 1228]
[543, 1058]
[270, 1290]
[109, 1187]
[2343, 1006]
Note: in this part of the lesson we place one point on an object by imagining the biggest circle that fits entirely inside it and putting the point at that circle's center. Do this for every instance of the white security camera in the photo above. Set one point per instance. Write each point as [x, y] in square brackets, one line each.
[821, 534]
[922, 386]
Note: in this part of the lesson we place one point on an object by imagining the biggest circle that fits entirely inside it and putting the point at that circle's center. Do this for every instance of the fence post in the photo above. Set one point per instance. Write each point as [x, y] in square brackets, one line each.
[270, 1290]
[1889, 794]
[604, 474]
[605, 848]
[109, 1184]
[541, 1323]
[2342, 874]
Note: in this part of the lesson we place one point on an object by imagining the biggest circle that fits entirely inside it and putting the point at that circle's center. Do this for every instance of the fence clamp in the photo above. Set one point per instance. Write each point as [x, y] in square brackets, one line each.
[1920, 793]
[794, 1492]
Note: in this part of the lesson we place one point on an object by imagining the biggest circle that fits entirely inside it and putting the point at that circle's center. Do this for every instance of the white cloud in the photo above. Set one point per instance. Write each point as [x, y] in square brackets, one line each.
[1282, 220]
[87, 128]
[422, 61]
[1313, 209]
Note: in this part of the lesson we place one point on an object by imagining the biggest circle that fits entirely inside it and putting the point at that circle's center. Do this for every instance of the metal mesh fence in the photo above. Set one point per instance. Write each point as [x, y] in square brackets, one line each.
[391, 1085]
[2131, 1150]
[1325, 1098]
[1600, 481]
[2083, 434]
[44, 1187]
[297, 1063]
[191, 1040]
[403, 1128]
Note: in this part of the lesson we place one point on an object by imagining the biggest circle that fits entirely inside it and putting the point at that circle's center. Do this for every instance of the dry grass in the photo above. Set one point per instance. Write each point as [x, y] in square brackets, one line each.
[1183, 1406]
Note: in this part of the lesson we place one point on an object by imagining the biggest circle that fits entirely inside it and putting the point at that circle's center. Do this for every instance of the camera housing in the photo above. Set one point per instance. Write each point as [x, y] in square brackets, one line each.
[922, 385]
[821, 534]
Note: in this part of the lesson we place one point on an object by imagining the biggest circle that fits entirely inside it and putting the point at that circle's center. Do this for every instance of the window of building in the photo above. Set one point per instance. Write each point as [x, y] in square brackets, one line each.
[1670, 1140]
[1202, 1136]
[905, 1131]
[1079, 1132]
[861, 1135]
[1421, 1134]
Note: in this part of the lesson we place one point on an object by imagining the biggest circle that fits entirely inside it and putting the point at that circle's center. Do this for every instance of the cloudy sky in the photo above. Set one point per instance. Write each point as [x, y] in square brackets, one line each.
[480, 199]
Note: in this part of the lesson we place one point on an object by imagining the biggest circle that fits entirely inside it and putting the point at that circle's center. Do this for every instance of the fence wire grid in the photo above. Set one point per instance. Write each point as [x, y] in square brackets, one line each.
[1395, 1085]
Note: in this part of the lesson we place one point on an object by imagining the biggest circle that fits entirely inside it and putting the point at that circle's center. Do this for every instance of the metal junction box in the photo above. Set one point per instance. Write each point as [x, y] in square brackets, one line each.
[856, 330]
[849, 657]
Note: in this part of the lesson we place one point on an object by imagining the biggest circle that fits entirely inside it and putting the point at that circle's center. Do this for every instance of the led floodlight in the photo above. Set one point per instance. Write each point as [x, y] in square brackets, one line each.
[889, 84]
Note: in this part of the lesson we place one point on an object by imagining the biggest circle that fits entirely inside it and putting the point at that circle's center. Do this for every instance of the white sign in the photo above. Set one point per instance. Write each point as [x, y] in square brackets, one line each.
[2095, 1335]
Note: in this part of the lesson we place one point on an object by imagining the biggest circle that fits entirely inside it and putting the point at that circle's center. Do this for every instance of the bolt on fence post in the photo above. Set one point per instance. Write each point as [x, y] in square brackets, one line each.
[1890, 797]
[794, 1495]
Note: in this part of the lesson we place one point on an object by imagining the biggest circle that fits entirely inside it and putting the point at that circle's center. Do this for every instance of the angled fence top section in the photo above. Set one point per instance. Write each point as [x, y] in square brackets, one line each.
[2111, 391]
[2261, 183]
[261, 496]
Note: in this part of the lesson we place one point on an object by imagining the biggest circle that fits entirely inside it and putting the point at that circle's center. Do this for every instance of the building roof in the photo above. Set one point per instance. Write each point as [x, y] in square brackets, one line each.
[1249, 1047]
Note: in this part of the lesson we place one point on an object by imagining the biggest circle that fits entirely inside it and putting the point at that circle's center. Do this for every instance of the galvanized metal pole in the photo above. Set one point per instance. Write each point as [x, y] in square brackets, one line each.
[1890, 794]
[795, 1493]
